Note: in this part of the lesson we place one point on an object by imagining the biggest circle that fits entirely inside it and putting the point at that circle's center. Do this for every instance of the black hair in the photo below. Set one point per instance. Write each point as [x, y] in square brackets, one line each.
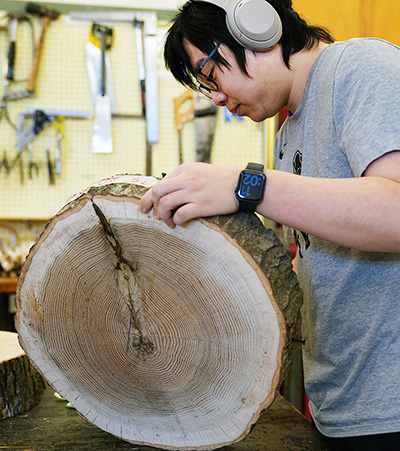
[204, 24]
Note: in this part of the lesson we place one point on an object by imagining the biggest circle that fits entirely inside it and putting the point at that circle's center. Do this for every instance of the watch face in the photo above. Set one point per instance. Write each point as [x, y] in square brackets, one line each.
[251, 186]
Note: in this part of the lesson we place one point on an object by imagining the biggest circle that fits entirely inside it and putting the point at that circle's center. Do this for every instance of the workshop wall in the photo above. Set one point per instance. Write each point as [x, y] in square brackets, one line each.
[63, 84]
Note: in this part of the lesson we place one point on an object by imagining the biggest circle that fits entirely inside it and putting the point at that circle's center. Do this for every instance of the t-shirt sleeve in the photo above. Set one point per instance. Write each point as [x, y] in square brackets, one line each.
[366, 102]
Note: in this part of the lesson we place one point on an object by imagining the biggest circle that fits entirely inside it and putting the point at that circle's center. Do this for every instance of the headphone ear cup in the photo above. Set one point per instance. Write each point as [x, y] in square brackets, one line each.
[254, 23]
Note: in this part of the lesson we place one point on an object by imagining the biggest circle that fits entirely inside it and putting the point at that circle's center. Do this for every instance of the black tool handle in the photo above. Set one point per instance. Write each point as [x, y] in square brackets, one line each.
[103, 64]
[11, 61]
[42, 11]
[143, 92]
[105, 35]
[40, 121]
[32, 8]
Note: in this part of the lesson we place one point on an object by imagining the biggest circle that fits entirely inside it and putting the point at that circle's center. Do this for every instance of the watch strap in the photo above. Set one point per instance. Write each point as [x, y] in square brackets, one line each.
[255, 167]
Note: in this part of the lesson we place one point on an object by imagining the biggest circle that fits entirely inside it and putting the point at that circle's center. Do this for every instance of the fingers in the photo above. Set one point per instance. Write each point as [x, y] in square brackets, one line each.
[192, 191]
[165, 199]
[146, 202]
[152, 197]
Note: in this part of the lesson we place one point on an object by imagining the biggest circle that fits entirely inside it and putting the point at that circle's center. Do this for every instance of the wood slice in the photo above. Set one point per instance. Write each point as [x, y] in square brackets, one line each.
[21, 386]
[173, 338]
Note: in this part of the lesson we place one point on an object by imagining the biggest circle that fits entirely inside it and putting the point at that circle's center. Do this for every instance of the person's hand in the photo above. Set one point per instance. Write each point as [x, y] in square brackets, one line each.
[193, 191]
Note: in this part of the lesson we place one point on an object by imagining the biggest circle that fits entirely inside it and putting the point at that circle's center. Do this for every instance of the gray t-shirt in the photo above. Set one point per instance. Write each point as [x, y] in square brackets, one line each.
[349, 116]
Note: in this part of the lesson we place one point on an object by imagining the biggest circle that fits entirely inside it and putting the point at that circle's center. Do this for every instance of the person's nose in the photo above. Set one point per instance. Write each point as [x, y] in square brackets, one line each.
[219, 97]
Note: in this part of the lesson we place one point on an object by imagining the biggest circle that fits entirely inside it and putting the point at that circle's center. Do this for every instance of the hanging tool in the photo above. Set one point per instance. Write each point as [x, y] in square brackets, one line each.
[140, 61]
[182, 118]
[47, 15]
[102, 137]
[59, 126]
[9, 74]
[57, 163]
[4, 163]
[4, 113]
[25, 136]
[9, 68]
[11, 48]
[32, 165]
[21, 172]
[41, 119]
[14, 17]
[50, 168]
[151, 72]
[139, 21]
[150, 51]
[93, 63]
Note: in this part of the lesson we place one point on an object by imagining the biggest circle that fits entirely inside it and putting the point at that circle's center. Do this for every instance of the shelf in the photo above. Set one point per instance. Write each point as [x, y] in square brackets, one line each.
[8, 284]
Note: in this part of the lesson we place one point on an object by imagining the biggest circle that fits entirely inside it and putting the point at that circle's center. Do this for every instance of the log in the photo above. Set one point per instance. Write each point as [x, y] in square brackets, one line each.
[173, 338]
[21, 386]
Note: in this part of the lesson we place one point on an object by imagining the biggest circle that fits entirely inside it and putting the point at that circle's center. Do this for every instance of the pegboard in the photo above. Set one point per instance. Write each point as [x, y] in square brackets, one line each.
[63, 84]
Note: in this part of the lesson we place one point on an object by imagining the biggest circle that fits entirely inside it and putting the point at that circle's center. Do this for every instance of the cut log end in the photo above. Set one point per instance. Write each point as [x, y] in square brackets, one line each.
[169, 338]
[21, 386]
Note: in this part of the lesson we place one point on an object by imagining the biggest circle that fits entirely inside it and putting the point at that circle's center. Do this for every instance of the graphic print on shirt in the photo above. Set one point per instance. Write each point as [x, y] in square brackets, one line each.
[297, 162]
[297, 166]
[282, 151]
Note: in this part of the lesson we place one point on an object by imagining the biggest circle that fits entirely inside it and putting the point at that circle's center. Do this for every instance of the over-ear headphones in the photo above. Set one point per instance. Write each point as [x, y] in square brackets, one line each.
[253, 23]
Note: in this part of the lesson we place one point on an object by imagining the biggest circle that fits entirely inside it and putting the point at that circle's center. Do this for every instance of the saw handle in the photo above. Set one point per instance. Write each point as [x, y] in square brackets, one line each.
[181, 118]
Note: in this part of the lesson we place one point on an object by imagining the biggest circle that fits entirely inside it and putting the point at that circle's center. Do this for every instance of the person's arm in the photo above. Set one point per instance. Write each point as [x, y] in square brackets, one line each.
[361, 213]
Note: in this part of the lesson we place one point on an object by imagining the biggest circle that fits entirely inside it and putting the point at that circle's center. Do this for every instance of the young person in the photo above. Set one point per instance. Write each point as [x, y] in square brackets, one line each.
[336, 189]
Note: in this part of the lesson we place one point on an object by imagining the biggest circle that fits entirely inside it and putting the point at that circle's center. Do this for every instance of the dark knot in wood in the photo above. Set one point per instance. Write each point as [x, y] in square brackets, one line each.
[127, 281]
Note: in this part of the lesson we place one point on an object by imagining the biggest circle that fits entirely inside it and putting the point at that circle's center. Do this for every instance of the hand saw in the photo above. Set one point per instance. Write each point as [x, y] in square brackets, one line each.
[182, 118]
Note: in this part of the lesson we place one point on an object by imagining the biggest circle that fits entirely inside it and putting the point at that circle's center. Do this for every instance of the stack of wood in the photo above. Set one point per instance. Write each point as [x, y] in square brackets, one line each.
[174, 338]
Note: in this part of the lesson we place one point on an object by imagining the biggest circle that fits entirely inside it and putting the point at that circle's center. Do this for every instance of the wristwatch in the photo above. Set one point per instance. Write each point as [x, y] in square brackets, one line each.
[250, 188]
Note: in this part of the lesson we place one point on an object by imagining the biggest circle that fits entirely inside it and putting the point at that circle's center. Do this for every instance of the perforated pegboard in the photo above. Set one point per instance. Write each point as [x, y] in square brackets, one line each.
[63, 84]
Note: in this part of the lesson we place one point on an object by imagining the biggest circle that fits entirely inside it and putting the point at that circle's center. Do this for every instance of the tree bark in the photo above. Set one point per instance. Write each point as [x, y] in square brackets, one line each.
[21, 386]
[173, 338]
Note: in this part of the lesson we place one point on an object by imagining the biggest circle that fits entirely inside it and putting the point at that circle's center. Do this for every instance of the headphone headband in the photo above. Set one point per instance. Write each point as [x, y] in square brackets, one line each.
[255, 24]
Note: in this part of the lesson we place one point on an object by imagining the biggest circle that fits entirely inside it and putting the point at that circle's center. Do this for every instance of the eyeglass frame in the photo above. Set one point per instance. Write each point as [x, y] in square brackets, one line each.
[202, 87]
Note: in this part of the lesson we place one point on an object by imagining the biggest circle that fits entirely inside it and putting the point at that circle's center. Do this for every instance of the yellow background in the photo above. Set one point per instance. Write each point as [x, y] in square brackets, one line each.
[354, 18]
[63, 84]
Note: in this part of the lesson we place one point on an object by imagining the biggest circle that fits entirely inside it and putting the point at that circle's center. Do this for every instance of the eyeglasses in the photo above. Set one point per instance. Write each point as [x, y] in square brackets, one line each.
[206, 83]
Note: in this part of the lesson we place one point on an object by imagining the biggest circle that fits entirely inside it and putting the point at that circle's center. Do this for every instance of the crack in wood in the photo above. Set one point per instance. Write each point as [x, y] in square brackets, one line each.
[126, 276]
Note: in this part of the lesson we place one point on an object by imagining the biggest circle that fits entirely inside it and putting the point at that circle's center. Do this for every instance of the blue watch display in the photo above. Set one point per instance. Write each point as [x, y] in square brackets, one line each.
[250, 188]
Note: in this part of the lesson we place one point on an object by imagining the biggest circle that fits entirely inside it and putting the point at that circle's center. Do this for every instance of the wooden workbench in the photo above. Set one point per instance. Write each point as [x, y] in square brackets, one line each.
[52, 426]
